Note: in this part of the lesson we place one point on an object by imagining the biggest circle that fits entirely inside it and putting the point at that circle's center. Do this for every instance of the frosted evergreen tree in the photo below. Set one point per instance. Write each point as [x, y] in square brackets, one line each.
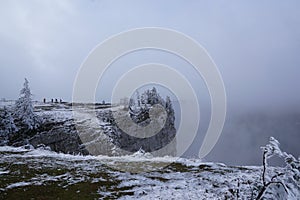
[144, 98]
[24, 108]
[153, 96]
[138, 97]
[131, 103]
[170, 110]
[7, 125]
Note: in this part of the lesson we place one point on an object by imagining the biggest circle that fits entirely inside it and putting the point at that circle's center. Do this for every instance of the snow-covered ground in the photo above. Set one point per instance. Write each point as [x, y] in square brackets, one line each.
[7, 103]
[40, 173]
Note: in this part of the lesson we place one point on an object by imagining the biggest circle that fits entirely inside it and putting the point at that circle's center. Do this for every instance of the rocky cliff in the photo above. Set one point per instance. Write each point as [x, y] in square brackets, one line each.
[102, 129]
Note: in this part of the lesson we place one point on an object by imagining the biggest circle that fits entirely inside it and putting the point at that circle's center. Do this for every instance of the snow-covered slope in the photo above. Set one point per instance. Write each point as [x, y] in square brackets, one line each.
[42, 174]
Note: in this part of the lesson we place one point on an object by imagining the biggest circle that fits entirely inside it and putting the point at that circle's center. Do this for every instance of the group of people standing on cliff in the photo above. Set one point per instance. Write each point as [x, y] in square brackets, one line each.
[53, 100]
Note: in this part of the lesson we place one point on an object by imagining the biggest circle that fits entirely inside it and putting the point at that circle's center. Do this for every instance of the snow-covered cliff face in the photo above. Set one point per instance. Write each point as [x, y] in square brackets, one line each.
[147, 125]
[103, 130]
[157, 137]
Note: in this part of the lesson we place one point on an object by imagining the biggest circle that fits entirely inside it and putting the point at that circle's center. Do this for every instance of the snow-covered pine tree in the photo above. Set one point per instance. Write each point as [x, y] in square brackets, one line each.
[7, 125]
[138, 98]
[131, 103]
[24, 108]
[170, 110]
[153, 97]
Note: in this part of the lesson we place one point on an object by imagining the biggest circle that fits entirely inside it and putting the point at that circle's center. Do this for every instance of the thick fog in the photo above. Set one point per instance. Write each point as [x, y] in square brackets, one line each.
[254, 44]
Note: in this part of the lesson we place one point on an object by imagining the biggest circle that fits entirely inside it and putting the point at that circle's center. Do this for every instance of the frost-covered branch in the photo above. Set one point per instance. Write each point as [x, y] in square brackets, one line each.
[292, 169]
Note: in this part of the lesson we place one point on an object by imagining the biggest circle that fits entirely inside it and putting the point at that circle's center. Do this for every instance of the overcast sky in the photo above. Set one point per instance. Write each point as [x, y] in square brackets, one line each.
[255, 45]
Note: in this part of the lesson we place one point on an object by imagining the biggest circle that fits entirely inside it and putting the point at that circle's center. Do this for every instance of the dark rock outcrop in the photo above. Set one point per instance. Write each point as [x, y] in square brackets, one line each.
[60, 139]
[132, 144]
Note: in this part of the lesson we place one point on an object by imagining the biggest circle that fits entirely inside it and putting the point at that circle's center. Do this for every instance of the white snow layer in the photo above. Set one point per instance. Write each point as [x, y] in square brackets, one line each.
[184, 179]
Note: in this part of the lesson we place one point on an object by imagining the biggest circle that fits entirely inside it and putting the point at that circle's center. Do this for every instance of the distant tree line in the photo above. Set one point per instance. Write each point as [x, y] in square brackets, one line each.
[139, 105]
